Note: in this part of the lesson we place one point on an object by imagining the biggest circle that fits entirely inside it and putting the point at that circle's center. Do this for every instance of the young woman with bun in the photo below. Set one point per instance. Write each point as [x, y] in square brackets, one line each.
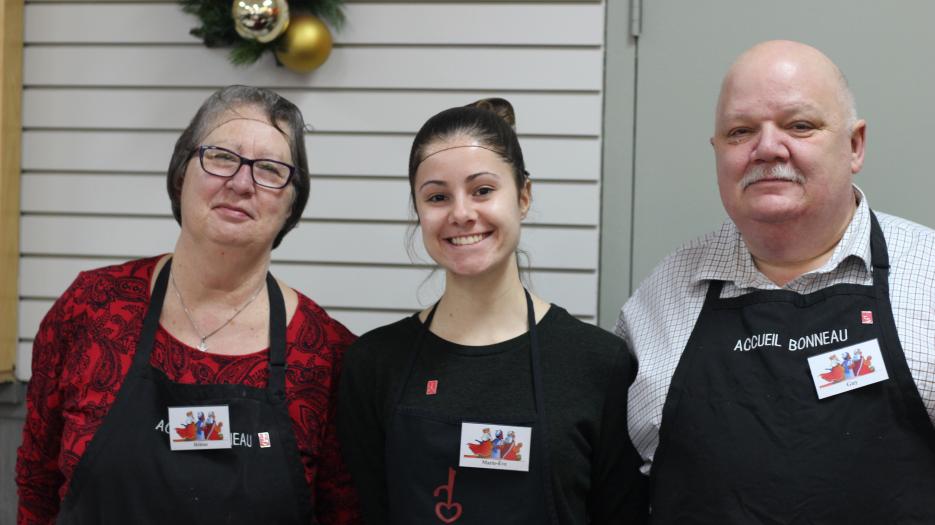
[493, 405]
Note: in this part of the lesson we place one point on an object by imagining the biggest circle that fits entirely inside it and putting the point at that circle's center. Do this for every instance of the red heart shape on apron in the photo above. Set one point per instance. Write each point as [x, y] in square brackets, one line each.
[448, 506]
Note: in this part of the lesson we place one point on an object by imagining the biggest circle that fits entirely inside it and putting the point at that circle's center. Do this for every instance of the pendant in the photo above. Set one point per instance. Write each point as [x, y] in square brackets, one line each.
[203, 346]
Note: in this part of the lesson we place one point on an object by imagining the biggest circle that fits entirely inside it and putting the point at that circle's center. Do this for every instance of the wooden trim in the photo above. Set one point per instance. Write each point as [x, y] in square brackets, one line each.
[11, 87]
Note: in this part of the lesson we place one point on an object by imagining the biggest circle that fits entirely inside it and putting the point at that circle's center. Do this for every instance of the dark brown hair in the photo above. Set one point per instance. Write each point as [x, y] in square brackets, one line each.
[490, 121]
[227, 101]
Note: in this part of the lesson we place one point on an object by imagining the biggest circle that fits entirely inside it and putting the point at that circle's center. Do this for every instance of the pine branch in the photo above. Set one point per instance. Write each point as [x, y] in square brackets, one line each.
[331, 11]
[217, 25]
[246, 52]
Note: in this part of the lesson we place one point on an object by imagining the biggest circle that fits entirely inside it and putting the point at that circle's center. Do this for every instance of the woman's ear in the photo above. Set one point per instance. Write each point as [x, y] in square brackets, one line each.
[525, 198]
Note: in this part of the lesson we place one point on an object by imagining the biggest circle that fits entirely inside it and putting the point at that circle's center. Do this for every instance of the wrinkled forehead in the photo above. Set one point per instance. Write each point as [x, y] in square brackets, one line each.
[247, 113]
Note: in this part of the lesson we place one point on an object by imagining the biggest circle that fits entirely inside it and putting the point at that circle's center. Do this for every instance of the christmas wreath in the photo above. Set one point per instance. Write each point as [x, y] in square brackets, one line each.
[291, 29]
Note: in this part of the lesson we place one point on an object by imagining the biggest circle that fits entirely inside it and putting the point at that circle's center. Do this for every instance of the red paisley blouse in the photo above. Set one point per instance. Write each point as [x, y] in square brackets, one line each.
[84, 349]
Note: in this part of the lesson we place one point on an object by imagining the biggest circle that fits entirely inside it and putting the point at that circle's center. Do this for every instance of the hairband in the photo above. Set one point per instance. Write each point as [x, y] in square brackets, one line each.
[525, 173]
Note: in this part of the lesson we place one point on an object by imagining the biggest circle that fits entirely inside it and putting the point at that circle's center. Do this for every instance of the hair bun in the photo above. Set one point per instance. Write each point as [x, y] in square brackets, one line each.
[500, 106]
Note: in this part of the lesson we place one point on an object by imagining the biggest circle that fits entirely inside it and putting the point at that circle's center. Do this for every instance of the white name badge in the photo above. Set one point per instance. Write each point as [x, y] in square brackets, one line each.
[500, 447]
[199, 427]
[847, 368]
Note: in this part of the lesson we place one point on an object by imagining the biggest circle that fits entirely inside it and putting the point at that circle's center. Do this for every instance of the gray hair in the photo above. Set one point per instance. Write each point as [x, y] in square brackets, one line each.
[226, 101]
[848, 102]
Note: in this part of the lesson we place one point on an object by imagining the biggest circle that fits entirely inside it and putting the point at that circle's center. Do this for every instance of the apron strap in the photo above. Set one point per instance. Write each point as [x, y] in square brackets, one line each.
[276, 384]
[537, 391]
[538, 396]
[714, 291]
[277, 331]
[400, 390]
[144, 347]
[879, 259]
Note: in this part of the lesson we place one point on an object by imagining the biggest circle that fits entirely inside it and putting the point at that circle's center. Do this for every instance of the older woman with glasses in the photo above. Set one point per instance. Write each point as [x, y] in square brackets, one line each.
[194, 387]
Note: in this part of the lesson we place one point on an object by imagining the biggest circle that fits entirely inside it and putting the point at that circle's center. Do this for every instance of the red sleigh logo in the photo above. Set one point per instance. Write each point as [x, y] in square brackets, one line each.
[447, 511]
[847, 367]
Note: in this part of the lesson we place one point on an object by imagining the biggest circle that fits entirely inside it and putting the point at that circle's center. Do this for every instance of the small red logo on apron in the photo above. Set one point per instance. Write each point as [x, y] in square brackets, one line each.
[431, 387]
[866, 317]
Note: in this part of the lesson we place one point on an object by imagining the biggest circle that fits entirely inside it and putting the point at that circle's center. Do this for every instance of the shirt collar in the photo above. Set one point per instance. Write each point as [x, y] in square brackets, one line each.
[726, 258]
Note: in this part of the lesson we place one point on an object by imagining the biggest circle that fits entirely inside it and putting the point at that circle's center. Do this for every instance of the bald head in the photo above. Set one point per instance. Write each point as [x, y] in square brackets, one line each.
[786, 57]
[787, 144]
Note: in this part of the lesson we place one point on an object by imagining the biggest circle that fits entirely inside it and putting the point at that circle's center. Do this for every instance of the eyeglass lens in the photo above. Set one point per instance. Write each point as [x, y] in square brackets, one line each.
[265, 172]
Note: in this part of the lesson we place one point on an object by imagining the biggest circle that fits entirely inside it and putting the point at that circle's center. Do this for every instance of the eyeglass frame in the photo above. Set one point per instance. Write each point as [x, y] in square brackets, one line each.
[243, 160]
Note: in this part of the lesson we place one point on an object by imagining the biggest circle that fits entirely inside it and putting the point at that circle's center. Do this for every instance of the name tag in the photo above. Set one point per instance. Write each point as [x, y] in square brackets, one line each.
[847, 368]
[500, 447]
[199, 427]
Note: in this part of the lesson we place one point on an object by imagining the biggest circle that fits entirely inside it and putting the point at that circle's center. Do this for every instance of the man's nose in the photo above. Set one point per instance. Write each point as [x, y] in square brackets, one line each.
[771, 145]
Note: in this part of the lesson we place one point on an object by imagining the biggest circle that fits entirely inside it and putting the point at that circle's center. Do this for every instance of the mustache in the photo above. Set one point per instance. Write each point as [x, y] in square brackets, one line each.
[776, 171]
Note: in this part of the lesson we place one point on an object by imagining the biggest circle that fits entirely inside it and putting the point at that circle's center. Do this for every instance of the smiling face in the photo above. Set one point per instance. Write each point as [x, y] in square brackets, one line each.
[785, 142]
[469, 207]
[234, 210]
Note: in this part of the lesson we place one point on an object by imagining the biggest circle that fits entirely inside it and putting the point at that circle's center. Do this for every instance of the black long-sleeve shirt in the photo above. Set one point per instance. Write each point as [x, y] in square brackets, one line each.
[586, 373]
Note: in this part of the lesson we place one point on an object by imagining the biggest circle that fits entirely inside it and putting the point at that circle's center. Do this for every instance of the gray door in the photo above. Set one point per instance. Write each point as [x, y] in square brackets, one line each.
[886, 50]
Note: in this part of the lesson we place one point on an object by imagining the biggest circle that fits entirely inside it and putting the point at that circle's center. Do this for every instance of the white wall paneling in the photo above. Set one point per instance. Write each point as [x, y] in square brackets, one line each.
[571, 158]
[320, 242]
[371, 111]
[482, 68]
[578, 24]
[331, 198]
[108, 87]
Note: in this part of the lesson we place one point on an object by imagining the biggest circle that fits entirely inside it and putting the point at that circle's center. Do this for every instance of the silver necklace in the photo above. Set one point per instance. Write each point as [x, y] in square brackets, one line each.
[203, 345]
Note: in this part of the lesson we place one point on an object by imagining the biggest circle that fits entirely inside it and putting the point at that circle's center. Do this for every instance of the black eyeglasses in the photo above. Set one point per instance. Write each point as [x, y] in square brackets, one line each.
[222, 162]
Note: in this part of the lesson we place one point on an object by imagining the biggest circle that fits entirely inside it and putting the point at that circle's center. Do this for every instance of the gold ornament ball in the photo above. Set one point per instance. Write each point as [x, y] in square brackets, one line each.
[306, 44]
[260, 20]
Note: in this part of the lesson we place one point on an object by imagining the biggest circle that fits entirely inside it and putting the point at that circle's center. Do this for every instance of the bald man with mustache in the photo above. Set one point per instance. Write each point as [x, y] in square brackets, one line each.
[787, 360]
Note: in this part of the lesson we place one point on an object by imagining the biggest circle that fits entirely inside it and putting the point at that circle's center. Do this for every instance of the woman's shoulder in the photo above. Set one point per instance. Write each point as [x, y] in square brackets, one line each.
[135, 268]
[311, 318]
[103, 287]
[589, 345]
[562, 324]
[401, 332]
[385, 344]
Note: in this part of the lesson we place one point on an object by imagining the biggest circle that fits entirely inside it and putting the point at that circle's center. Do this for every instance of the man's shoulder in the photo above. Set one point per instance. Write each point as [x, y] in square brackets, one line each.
[675, 289]
[908, 242]
[900, 227]
[682, 267]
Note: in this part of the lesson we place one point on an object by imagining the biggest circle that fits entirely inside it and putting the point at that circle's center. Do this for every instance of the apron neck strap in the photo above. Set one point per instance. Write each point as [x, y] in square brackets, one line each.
[533, 353]
[714, 291]
[144, 347]
[879, 257]
[277, 339]
[879, 260]
[277, 331]
[420, 338]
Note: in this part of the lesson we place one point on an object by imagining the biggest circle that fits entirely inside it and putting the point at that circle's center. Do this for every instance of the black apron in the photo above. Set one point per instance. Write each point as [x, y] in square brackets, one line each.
[426, 486]
[744, 438]
[128, 474]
